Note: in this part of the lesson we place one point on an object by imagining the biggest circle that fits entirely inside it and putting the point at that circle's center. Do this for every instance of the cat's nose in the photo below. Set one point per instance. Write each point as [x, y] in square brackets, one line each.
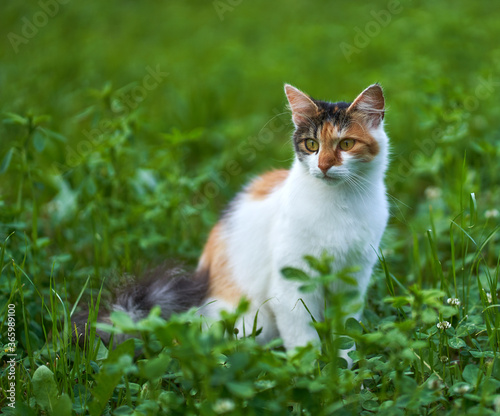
[324, 166]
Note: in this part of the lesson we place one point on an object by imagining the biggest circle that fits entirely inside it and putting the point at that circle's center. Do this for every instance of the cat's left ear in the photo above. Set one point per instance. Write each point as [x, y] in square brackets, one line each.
[371, 104]
[302, 106]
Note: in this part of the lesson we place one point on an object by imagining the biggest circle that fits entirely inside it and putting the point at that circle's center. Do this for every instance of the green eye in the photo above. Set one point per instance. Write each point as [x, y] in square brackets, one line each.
[311, 145]
[347, 144]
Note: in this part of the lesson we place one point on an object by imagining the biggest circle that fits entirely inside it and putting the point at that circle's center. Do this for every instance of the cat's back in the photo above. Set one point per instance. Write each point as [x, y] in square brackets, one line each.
[256, 205]
[239, 242]
[262, 187]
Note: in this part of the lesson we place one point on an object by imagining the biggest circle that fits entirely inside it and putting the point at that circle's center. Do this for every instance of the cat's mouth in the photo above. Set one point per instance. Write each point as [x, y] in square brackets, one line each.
[330, 179]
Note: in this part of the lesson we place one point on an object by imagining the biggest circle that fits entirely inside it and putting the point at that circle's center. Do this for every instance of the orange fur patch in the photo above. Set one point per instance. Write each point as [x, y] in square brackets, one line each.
[214, 259]
[329, 155]
[366, 147]
[261, 187]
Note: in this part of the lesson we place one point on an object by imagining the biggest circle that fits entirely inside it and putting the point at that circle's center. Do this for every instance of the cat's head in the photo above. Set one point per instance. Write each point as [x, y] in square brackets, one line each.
[337, 142]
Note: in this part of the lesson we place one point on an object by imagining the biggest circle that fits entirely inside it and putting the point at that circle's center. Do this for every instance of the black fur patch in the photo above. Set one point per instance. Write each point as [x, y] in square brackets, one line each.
[171, 288]
[335, 113]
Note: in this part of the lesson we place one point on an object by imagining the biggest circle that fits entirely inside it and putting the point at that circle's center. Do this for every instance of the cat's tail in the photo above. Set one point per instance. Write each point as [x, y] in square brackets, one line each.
[171, 288]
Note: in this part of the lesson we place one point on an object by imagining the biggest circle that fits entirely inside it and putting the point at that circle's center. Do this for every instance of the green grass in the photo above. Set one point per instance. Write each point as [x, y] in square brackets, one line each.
[106, 169]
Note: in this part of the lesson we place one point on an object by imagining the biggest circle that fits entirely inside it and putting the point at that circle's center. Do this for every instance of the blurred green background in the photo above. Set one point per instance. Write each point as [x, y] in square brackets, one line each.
[127, 127]
[105, 166]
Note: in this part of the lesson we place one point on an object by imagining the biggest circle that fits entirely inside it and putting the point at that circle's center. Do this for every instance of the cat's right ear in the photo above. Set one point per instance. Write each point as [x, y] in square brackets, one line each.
[302, 106]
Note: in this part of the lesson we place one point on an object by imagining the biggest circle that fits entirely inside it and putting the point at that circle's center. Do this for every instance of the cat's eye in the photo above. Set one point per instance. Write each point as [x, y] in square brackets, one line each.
[311, 145]
[347, 144]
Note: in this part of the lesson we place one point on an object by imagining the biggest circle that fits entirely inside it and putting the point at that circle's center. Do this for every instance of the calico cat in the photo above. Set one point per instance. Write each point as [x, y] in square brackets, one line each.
[331, 200]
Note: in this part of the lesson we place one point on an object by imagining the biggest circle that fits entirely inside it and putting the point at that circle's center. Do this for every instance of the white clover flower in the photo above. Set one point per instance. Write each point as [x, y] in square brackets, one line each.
[453, 302]
[496, 404]
[488, 297]
[463, 389]
[387, 252]
[223, 406]
[443, 325]
[433, 192]
[492, 213]
[435, 384]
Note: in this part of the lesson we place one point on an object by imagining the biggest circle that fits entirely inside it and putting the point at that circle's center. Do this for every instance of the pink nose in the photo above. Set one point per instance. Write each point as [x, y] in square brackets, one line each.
[324, 166]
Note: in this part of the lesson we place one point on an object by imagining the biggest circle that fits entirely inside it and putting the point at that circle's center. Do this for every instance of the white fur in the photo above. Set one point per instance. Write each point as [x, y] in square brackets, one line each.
[305, 215]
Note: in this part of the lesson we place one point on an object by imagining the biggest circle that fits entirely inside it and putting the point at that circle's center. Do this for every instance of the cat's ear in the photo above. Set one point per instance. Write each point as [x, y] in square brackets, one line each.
[302, 106]
[371, 104]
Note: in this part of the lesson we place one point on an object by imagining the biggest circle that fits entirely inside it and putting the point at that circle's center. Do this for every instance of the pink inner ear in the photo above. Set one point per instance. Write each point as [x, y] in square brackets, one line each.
[371, 99]
[301, 105]
[371, 102]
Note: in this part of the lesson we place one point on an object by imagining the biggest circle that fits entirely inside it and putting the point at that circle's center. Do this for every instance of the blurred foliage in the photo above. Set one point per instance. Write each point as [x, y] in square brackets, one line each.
[128, 126]
[211, 115]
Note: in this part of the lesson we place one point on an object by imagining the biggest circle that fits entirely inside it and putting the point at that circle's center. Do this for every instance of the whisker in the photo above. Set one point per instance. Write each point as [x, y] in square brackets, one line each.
[357, 187]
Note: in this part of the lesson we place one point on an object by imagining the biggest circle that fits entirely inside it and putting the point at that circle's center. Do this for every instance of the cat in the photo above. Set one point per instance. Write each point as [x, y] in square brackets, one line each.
[332, 199]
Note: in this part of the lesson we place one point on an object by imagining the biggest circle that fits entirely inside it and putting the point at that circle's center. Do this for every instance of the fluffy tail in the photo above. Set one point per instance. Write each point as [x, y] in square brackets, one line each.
[170, 288]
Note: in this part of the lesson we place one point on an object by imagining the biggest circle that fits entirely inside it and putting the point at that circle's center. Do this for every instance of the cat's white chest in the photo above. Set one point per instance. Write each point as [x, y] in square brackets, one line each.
[342, 225]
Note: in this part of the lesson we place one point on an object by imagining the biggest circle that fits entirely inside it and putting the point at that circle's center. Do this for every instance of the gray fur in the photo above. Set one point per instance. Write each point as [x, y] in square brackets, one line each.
[170, 288]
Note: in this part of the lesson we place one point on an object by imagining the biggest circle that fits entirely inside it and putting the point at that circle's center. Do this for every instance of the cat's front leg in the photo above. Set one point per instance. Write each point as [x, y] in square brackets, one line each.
[293, 319]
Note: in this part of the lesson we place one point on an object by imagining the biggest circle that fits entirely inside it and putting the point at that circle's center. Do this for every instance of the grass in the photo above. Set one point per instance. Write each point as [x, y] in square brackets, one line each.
[108, 169]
